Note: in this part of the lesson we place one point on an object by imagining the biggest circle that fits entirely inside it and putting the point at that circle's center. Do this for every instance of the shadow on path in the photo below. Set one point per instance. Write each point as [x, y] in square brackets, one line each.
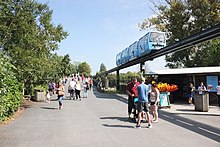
[49, 108]
[193, 112]
[197, 127]
[117, 126]
[123, 119]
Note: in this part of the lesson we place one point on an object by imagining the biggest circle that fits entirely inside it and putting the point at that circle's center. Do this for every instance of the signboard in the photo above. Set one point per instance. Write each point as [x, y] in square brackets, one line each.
[212, 81]
[164, 99]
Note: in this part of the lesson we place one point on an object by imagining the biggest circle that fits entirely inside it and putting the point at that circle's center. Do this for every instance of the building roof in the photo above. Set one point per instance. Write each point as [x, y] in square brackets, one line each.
[192, 70]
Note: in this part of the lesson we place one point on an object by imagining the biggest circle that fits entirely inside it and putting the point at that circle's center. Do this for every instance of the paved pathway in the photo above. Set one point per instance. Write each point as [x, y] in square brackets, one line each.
[101, 121]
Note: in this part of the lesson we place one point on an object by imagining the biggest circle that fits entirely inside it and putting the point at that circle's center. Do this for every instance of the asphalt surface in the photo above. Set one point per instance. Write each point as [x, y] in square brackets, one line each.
[101, 121]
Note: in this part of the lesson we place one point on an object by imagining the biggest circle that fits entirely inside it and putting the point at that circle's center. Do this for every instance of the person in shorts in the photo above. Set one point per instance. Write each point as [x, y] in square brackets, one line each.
[190, 95]
[154, 99]
[60, 92]
[142, 104]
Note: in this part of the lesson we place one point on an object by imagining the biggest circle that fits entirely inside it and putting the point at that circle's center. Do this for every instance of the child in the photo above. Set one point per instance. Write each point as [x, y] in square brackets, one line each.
[47, 97]
[85, 89]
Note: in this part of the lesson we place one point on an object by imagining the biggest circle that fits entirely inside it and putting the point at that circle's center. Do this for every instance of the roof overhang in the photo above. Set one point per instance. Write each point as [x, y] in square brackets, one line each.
[192, 70]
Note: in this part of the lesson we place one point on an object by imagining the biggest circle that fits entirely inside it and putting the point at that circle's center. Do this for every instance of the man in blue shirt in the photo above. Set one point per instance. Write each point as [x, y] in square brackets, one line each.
[142, 105]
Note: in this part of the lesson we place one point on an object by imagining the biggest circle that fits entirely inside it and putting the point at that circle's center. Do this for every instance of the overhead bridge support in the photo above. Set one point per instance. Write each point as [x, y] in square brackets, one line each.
[142, 69]
[118, 80]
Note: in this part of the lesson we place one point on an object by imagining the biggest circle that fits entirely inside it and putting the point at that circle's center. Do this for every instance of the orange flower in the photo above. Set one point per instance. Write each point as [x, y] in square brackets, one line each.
[164, 87]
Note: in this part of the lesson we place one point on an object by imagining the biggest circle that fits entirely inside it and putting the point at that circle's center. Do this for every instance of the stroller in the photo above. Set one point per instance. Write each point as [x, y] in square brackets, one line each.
[71, 91]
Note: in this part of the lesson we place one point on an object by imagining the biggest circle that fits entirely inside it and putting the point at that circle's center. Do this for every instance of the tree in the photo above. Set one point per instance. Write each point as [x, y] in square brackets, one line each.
[207, 54]
[54, 68]
[76, 65]
[102, 68]
[65, 64]
[27, 37]
[84, 68]
[183, 18]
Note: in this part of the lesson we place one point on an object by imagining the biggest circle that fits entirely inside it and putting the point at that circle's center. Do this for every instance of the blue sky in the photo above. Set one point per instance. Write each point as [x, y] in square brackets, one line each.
[99, 29]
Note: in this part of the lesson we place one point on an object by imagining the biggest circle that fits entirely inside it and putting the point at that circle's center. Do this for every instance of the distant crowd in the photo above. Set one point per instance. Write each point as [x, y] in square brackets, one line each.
[76, 86]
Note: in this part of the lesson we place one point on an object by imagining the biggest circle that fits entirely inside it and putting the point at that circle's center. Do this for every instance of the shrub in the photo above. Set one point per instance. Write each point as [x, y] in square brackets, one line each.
[10, 89]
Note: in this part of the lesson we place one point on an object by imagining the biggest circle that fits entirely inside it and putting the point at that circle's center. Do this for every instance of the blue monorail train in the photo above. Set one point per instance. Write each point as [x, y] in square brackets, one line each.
[151, 41]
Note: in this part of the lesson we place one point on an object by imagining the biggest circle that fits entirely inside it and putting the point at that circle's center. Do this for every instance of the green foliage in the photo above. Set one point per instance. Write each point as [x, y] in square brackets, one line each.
[28, 37]
[76, 66]
[102, 68]
[65, 63]
[127, 77]
[207, 54]
[84, 68]
[182, 18]
[54, 67]
[41, 88]
[112, 80]
[124, 78]
[10, 89]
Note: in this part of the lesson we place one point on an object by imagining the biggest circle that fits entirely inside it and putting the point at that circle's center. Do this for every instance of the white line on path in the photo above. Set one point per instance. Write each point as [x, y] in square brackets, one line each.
[209, 131]
[167, 116]
[184, 122]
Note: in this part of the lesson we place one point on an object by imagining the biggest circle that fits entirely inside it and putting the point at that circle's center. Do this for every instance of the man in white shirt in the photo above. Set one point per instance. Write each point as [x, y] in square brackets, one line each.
[72, 88]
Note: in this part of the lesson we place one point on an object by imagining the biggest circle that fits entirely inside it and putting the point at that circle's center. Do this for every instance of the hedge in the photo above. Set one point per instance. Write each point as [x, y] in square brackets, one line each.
[10, 89]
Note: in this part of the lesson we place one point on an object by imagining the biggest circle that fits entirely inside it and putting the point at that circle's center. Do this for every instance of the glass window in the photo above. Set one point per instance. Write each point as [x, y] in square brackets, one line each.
[157, 37]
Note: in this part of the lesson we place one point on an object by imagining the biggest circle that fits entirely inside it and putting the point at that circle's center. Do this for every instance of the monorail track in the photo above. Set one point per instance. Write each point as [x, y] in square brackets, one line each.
[186, 43]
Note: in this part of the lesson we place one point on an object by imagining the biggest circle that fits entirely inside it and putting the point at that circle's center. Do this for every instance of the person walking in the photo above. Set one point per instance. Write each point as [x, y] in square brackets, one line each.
[90, 84]
[60, 92]
[47, 97]
[218, 92]
[50, 87]
[77, 90]
[190, 95]
[201, 88]
[85, 89]
[154, 99]
[142, 104]
[131, 90]
[72, 88]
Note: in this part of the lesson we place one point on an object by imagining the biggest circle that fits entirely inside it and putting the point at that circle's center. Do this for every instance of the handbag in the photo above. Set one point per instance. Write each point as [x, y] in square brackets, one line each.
[60, 93]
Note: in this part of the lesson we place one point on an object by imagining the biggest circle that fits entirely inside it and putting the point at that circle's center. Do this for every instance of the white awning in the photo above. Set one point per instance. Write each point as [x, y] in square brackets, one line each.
[193, 70]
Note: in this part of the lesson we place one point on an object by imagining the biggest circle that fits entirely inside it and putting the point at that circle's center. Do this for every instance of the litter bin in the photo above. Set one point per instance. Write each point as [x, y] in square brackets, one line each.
[40, 96]
[201, 101]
